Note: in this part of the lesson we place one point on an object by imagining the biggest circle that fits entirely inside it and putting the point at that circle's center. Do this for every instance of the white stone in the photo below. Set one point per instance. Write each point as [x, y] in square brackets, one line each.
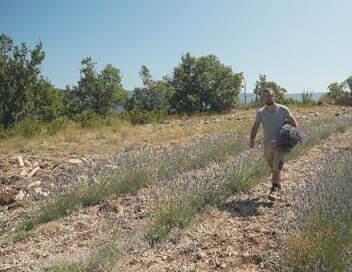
[23, 172]
[34, 184]
[20, 195]
[75, 161]
[34, 171]
[20, 160]
[40, 192]
[27, 163]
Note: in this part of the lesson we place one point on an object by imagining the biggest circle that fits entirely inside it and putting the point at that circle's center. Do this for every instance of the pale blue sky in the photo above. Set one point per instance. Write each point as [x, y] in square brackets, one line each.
[299, 44]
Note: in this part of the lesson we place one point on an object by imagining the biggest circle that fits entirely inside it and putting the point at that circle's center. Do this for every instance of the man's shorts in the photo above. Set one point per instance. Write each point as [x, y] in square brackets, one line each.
[273, 156]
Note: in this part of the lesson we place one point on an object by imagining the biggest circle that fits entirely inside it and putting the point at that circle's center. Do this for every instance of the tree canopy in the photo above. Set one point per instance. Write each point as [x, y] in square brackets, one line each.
[153, 96]
[24, 92]
[99, 92]
[204, 84]
[262, 83]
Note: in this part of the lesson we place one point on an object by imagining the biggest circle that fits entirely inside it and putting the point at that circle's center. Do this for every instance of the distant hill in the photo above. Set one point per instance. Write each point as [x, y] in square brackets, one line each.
[295, 96]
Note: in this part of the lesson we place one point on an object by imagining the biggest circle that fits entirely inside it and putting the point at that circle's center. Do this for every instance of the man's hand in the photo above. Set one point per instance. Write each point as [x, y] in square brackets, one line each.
[253, 134]
[293, 121]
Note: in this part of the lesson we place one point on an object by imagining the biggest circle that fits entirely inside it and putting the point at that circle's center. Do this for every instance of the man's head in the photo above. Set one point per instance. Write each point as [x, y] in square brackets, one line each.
[268, 96]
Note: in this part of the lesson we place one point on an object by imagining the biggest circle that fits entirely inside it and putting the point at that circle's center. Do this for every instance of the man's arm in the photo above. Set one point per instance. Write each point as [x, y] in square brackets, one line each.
[293, 121]
[254, 131]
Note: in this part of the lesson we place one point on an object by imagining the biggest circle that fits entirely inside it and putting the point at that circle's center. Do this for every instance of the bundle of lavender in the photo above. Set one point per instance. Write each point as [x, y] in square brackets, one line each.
[289, 137]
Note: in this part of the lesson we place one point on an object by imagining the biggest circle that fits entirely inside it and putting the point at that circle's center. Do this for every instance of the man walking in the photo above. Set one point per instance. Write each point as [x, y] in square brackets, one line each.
[273, 116]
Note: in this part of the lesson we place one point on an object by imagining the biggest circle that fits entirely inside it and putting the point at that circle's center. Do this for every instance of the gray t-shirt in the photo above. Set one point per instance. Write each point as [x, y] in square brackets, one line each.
[272, 121]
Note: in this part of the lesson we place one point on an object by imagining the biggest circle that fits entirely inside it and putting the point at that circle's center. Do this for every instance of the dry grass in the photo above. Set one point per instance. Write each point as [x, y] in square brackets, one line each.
[49, 228]
[110, 139]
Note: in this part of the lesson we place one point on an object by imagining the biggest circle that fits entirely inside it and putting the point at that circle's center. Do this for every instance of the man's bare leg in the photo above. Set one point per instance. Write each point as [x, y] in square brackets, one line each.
[276, 177]
[276, 186]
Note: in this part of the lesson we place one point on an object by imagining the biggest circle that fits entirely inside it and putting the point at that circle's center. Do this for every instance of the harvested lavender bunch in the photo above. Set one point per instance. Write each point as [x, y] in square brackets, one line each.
[289, 137]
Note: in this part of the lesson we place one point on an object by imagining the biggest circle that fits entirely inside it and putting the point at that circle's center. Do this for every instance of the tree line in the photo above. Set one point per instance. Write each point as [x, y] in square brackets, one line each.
[197, 84]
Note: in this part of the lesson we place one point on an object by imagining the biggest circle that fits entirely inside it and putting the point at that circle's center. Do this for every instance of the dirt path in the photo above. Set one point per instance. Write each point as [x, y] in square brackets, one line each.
[243, 234]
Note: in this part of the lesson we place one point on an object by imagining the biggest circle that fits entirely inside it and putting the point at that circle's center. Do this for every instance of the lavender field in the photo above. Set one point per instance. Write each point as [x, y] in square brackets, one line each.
[154, 196]
[320, 237]
[170, 136]
[180, 195]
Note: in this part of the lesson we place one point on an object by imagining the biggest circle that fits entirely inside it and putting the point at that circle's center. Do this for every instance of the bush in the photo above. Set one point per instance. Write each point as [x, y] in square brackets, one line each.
[287, 100]
[27, 128]
[56, 125]
[88, 119]
[143, 117]
[307, 98]
[344, 101]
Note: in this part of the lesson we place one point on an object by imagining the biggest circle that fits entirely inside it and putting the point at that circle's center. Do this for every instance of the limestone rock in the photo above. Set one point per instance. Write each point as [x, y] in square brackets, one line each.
[33, 172]
[20, 195]
[20, 160]
[75, 161]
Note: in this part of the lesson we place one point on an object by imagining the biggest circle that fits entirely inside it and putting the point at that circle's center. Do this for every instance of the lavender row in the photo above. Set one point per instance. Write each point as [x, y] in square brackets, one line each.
[320, 236]
[181, 197]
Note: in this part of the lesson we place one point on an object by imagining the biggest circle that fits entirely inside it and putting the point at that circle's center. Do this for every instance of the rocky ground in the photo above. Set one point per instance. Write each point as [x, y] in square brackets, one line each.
[239, 236]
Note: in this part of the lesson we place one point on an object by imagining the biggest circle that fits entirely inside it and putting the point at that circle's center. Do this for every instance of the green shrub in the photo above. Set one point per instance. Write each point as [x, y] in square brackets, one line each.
[57, 125]
[27, 128]
[88, 119]
[143, 117]
[307, 98]
[344, 100]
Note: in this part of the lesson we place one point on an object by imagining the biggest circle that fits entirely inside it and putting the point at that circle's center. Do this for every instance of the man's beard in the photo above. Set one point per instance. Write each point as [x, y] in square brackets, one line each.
[269, 103]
